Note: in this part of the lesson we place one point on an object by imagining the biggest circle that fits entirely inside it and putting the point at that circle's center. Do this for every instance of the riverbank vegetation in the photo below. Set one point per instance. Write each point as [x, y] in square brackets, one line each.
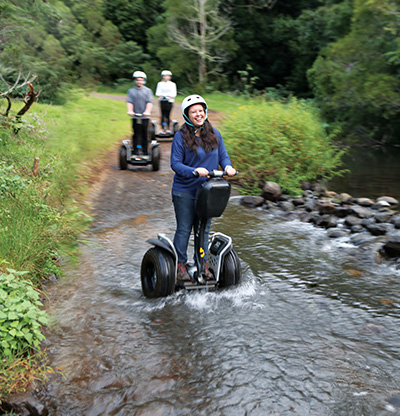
[344, 54]
[45, 167]
[282, 142]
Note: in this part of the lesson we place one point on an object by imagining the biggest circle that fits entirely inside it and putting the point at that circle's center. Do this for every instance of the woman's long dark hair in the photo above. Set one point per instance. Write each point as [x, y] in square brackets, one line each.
[208, 139]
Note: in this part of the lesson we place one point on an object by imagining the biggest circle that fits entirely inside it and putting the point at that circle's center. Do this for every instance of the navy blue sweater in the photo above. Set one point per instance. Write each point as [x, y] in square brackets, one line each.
[185, 161]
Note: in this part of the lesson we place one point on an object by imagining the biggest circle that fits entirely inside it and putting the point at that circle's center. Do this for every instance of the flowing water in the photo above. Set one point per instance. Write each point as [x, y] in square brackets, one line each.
[313, 328]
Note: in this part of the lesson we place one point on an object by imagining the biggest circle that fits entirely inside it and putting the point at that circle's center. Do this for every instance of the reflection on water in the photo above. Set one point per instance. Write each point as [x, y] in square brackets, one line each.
[373, 173]
[310, 331]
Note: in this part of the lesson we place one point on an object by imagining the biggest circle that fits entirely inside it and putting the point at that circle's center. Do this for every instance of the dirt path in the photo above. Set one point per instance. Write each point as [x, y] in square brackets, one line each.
[119, 195]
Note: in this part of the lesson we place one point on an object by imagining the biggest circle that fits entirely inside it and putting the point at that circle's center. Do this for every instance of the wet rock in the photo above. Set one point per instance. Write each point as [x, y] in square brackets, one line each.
[305, 216]
[361, 212]
[335, 233]
[352, 220]
[394, 400]
[318, 188]
[327, 221]
[356, 228]
[380, 205]
[373, 329]
[379, 229]
[29, 407]
[396, 221]
[383, 216]
[269, 205]
[309, 205]
[345, 198]
[297, 202]
[331, 194]
[285, 206]
[392, 246]
[271, 191]
[361, 239]
[343, 212]
[326, 206]
[252, 201]
[365, 222]
[364, 202]
[392, 201]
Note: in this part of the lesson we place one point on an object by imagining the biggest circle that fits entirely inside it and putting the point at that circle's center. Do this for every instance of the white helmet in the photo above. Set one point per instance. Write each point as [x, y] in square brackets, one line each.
[188, 102]
[166, 73]
[139, 74]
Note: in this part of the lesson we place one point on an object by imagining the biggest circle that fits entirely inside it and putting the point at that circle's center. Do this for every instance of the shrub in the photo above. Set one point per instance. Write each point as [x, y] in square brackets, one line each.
[20, 314]
[285, 143]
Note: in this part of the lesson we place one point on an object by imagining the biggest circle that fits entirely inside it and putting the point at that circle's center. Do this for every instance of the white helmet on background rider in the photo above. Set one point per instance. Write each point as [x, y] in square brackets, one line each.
[139, 74]
[166, 73]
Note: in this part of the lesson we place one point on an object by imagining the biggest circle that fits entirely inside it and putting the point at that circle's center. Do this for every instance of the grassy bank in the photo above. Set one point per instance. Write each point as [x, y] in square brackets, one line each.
[42, 214]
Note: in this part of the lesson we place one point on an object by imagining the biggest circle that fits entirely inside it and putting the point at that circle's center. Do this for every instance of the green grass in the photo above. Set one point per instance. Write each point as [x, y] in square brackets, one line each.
[41, 217]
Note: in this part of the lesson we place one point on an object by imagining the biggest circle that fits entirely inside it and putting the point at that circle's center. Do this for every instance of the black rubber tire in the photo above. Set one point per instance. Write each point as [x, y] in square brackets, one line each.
[231, 271]
[157, 273]
[123, 163]
[175, 128]
[152, 131]
[155, 158]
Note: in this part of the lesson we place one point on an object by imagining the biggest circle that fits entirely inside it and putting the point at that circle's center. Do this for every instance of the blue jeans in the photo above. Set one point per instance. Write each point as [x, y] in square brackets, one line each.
[186, 220]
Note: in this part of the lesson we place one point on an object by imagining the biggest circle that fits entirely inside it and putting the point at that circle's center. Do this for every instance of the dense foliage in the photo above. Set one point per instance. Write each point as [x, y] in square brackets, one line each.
[343, 52]
[285, 143]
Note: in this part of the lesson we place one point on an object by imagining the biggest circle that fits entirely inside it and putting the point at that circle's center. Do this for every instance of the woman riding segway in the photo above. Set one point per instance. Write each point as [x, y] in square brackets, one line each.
[196, 150]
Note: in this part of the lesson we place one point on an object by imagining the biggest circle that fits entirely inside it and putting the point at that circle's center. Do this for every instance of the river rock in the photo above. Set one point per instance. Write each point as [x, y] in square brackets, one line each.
[361, 212]
[285, 206]
[271, 191]
[336, 233]
[252, 201]
[383, 216]
[379, 229]
[380, 204]
[364, 202]
[297, 202]
[345, 198]
[357, 228]
[327, 221]
[326, 206]
[392, 201]
[343, 211]
[309, 205]
[352, 220]
[395, 221]
[361, 238]
[306, 216]
[392, 246]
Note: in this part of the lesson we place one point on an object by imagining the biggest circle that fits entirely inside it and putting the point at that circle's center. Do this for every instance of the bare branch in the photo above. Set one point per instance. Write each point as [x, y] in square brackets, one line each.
[28, 79]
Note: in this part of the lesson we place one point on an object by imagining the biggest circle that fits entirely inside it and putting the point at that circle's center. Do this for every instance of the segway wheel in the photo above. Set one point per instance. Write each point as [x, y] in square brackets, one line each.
[123, 163]
[155, 158]
[152, 130]
[157, 273]
[231, 272]
[175, 127]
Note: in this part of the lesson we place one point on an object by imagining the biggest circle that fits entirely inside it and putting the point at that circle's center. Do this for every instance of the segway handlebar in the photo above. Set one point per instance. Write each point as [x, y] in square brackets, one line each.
[214, 173]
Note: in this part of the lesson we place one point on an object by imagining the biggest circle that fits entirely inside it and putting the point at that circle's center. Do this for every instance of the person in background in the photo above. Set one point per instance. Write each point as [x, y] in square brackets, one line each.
[139, 101]
[166, 92]
[197, 148]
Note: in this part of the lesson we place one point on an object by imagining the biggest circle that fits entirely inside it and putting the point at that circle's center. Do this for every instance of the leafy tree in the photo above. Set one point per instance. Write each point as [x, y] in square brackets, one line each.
[356, 79]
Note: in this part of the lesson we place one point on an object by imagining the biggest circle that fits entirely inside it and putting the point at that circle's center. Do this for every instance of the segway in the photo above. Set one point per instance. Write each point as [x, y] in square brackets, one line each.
[160, 263]
[126, 151]
[162, 135]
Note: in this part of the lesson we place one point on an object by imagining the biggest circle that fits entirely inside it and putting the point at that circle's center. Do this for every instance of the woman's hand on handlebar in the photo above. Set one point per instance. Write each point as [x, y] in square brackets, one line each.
[202, 171]
[230, 171]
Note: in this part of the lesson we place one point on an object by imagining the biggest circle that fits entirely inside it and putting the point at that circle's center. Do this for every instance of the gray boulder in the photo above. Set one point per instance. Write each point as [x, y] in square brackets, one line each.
[364, 202]
[285, 206]
[356, 228]
[271, 191]
[352, 220]
[336, 233]
[396, 221]
[361, 212]
[252, 201]
[345, 198]
[379, 229]
[326, 206]
[383, 216]
[392, 246]
[389, 199]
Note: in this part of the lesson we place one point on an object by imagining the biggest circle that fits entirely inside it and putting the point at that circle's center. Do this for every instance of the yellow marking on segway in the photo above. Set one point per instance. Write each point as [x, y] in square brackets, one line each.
[201, 252]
